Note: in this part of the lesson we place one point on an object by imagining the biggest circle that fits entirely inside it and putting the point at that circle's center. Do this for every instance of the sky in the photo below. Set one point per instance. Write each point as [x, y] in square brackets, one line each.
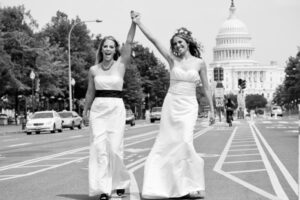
[273, 24]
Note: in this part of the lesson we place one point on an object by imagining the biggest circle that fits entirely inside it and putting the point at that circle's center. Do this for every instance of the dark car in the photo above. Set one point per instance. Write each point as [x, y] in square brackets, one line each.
[130, 118]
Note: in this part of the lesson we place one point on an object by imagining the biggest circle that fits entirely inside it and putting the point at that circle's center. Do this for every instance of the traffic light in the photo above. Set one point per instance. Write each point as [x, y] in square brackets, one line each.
[243, 85]
[221, 74]
[216, 74]
[240, 82]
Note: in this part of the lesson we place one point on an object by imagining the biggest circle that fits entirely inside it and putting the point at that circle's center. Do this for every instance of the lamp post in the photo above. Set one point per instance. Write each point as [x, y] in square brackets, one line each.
[73, 88]
[32, 77]
[69, 51]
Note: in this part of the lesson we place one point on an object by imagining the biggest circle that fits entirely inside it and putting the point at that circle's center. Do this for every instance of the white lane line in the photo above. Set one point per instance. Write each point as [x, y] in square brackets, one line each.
[291, 181]
[247, 154]
[76, 136]
[218, 169]
[243, 145]
[272, 175]
[32, 166]
[247, 171]
[243, 149]
[8, 140]
[244, 161]
[21, 144]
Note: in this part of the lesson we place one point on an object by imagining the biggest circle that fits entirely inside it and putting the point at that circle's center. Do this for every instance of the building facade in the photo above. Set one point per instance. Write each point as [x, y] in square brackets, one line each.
[234, 53]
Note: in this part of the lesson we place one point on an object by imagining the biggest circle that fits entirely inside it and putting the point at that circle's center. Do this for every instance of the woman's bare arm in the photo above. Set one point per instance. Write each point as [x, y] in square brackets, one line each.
[164, 52]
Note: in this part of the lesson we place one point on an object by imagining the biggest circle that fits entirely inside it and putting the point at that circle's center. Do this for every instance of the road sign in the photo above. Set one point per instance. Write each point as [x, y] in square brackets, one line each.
[219, 101]
[219, 92]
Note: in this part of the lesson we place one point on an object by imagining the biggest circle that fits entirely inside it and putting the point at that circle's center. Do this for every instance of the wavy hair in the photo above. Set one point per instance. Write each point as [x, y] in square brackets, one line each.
[99, 54]
[195, 48]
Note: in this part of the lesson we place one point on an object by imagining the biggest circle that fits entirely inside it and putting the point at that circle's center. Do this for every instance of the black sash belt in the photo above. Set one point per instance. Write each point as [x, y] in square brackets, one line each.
[109, 93]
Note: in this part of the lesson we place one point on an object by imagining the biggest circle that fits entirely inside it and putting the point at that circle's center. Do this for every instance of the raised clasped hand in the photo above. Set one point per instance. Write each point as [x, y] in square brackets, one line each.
[135, 16]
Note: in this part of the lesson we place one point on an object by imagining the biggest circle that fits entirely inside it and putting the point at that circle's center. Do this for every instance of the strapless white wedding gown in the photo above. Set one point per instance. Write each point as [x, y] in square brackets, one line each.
[107, 124]
[173, 168]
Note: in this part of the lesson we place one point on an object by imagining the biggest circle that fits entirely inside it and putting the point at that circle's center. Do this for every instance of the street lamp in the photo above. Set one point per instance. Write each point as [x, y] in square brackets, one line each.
[32, 77]
[69, 51]
[73, 88]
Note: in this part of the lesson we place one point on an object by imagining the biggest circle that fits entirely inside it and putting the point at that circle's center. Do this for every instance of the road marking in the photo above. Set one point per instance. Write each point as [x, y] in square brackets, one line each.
[7, 140]
[249, 154]
[76, 136]
[17, 145]
[243, 145]
[243, 149]
[220, 162]
[273, 177]
[244, 161]
[291, 181]
[247, 171]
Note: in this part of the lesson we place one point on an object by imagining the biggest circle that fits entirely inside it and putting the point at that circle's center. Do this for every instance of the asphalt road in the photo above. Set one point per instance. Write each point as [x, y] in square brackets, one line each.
[254, 160]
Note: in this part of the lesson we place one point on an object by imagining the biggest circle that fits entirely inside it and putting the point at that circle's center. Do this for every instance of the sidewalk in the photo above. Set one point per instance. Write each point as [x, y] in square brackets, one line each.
[4, 129]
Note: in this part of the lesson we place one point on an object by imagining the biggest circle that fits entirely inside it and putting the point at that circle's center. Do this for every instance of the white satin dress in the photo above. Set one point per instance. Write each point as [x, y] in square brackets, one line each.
[173, 168]
[107, 124]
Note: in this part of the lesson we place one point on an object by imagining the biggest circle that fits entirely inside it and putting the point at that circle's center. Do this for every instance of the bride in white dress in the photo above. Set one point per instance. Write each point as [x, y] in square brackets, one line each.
[105, 106]
[173, 168]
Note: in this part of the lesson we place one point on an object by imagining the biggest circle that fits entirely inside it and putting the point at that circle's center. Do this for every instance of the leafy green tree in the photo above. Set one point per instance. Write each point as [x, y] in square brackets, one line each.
[133, 91]
[81, 45]
[254, 101]
[289, 92]
[154, 76]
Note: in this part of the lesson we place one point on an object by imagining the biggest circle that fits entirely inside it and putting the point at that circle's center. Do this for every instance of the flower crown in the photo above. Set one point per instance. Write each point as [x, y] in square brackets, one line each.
[183, 31]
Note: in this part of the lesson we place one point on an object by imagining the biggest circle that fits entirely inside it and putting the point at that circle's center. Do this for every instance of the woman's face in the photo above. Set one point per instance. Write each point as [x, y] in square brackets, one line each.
[180, 46]
[108, 50]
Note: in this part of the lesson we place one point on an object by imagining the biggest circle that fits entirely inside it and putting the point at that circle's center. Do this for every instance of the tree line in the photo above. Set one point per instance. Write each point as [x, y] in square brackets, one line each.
[46, 54]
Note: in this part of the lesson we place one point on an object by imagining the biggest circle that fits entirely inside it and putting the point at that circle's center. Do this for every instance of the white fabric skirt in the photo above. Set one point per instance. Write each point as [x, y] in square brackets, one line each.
[173, 168]
[107, 124]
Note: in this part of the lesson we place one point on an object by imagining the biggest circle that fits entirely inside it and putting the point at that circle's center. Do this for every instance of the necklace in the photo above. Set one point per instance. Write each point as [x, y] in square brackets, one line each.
[105, 68]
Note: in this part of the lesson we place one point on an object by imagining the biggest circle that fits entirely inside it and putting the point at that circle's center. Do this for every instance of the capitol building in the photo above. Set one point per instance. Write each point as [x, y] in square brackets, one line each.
[234, 53]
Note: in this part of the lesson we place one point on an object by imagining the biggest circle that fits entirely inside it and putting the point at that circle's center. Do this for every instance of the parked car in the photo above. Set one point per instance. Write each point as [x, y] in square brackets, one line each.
[3, 119]
[44, 121]
[276, 110]
[130, 118]
[71, 119]
[155, 114]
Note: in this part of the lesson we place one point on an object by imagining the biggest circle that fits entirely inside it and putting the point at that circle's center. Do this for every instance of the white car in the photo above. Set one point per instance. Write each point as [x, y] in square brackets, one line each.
[44, 121]
[276, 110]
[155, 114]
[71, 119]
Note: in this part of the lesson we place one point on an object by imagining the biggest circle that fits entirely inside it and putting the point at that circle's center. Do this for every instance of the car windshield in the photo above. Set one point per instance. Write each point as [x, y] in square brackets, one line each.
[42, 115]
[65, 114]
[156, 109]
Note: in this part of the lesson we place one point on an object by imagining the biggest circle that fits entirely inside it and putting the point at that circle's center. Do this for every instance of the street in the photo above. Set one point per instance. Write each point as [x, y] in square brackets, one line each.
[255, 160]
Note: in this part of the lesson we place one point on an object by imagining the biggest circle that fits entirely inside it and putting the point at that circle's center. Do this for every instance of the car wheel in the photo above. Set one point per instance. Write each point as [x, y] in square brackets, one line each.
[72, 127]
[132, 123]
[152, 120]
[80, 125]
[38, 132]
[53, 131]
[28, 133]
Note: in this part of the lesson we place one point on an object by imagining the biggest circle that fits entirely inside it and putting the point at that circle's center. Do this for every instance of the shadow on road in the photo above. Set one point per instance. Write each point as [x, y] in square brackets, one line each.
[78, 196]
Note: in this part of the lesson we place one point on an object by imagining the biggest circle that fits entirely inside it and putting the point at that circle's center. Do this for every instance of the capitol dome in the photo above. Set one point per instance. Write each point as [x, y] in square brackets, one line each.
[233, 41]
[233, 26]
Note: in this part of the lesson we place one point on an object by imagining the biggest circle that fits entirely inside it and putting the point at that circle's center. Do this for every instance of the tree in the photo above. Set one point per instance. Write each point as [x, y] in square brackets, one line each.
[289, 92]
[82, 51]
[154, 76]
[133, 91]
[254, 101]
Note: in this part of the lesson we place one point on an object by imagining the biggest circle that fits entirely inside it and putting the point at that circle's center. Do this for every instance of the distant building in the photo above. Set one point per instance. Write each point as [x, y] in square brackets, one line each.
[233, 52]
